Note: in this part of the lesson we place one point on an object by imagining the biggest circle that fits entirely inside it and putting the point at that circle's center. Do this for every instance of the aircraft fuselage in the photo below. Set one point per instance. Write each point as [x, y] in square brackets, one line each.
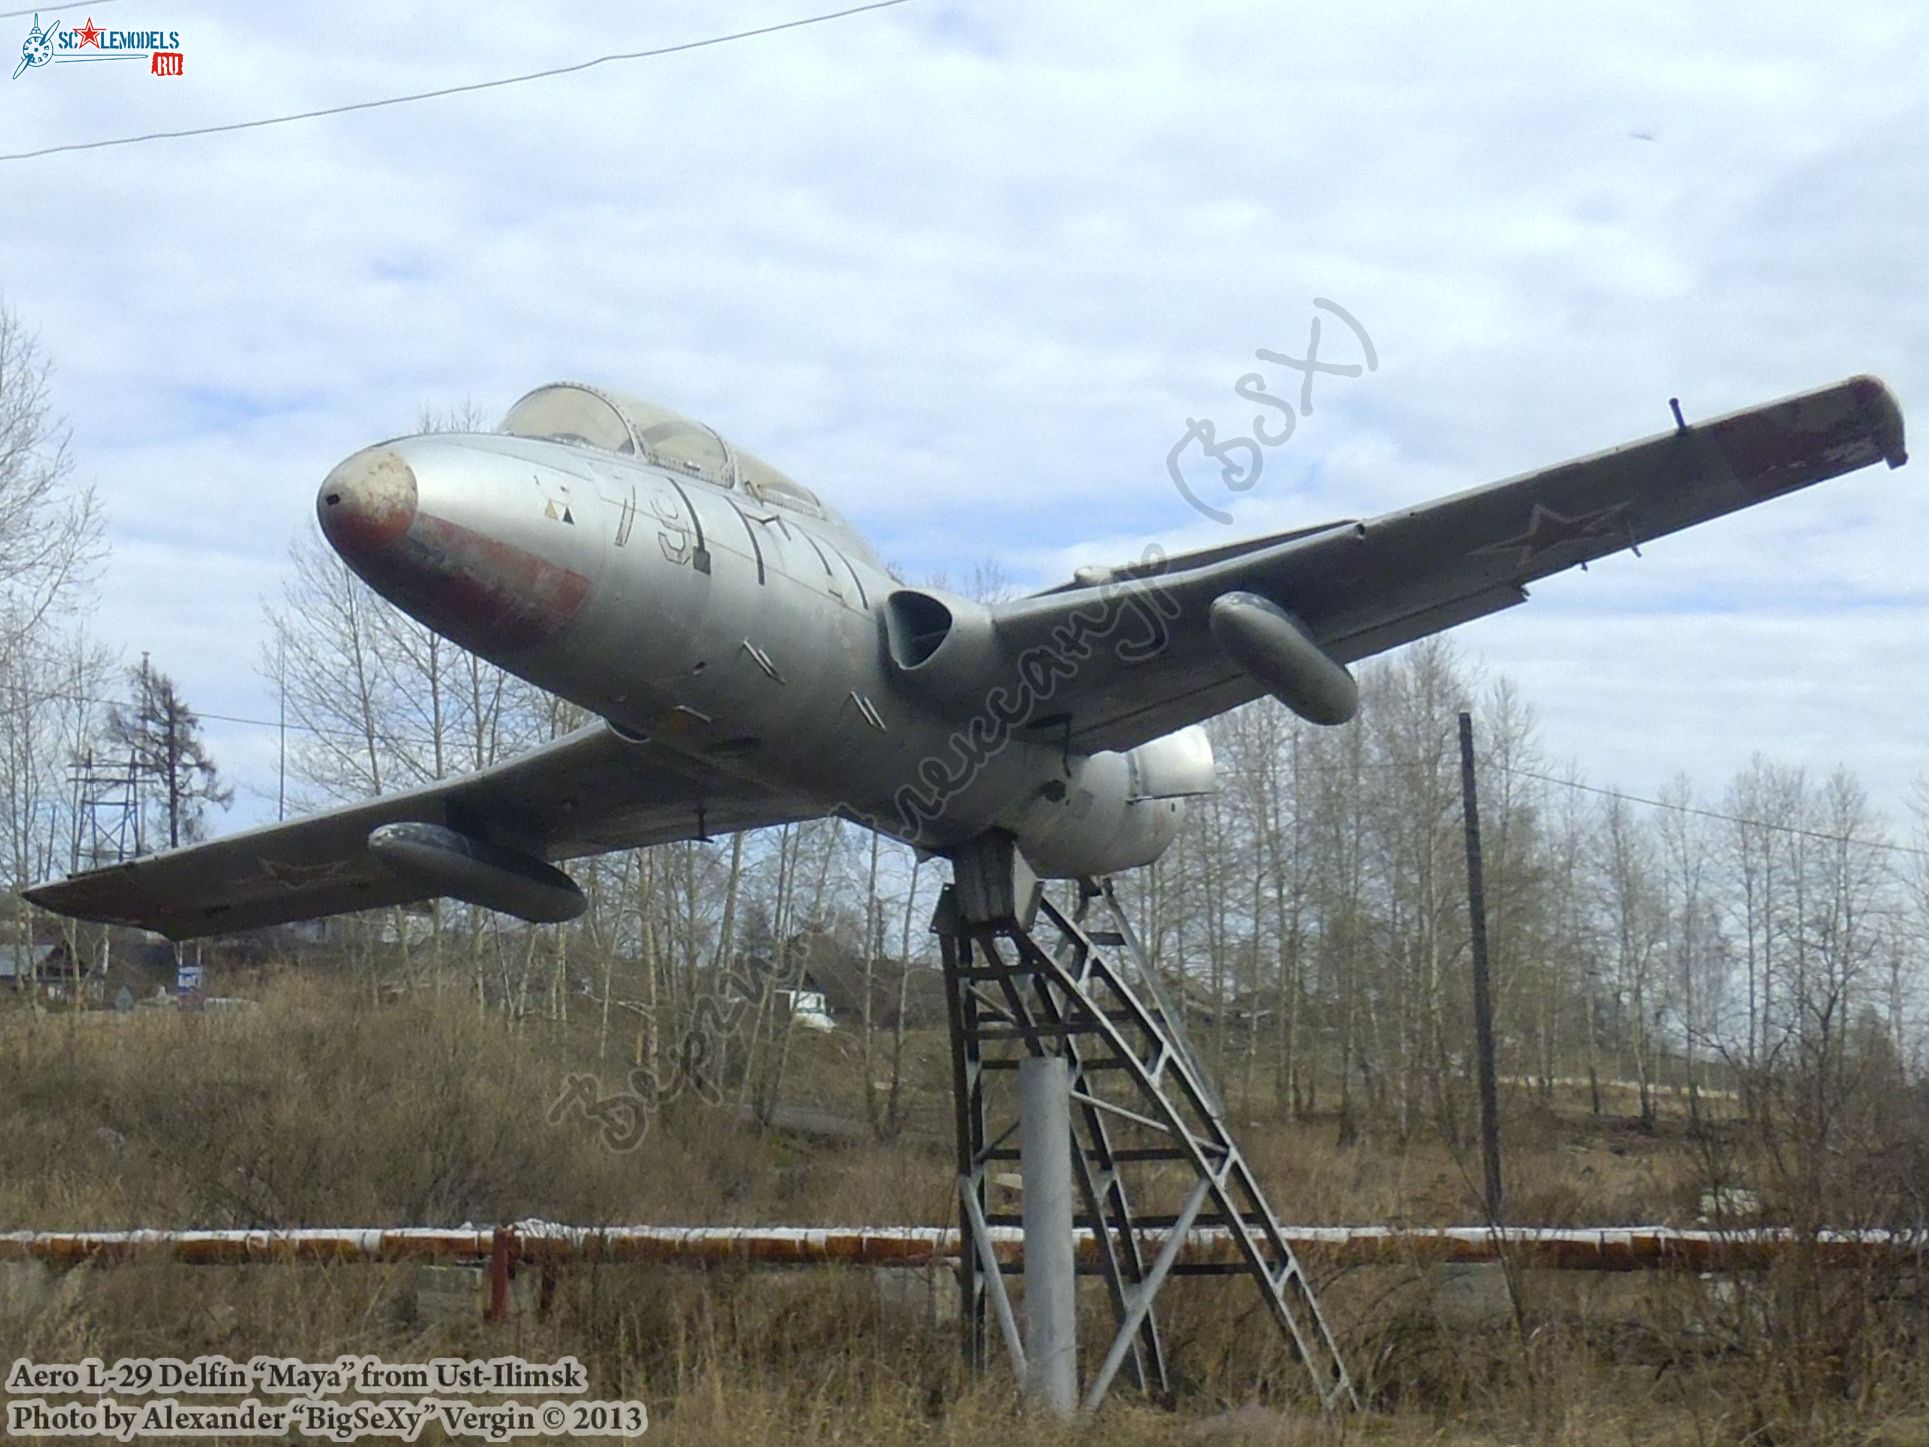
[745, 631]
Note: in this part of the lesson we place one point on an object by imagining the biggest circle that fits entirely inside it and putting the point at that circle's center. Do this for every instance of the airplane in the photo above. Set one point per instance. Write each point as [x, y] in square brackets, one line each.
[749, 660]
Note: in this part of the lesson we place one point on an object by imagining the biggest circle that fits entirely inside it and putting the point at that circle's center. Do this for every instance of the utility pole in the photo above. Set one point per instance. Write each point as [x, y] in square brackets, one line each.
[1483, 998]
[281, 773]
[134, 765]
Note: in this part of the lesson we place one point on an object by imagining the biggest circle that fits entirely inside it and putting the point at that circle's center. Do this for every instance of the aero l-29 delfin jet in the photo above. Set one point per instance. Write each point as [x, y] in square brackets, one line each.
[750, 661]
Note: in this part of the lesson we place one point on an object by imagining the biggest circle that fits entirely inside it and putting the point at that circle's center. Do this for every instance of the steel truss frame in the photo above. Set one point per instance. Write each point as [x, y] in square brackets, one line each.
[1022, 977]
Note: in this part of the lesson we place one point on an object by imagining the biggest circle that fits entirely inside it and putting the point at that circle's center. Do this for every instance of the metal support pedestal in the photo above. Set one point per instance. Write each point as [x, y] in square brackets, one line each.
[1138, 1101]
[1051, 1262]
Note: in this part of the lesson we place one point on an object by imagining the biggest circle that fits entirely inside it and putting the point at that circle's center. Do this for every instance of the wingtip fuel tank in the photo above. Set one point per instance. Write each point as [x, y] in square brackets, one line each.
[1278, 652]
[445, 861]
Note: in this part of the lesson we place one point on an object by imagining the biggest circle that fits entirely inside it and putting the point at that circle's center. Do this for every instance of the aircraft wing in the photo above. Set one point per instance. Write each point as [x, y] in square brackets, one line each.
[1150, 665]
[585, 793]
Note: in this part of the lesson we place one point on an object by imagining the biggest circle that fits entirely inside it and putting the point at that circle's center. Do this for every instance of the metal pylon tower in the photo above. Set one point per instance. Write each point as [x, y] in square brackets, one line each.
[1024, 979]
[107, 799]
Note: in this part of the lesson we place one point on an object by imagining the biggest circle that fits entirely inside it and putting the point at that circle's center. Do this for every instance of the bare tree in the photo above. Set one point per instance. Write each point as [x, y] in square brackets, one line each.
[1752, 859]
[50, 527]
[50, 673]
[1637, 928]
[1905, 974]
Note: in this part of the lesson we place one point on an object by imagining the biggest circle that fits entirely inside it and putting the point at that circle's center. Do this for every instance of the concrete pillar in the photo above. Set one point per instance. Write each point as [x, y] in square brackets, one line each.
[1051, 1279]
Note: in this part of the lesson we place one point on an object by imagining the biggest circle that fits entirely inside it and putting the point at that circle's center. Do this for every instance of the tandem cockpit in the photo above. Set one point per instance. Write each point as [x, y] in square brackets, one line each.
[630, 427]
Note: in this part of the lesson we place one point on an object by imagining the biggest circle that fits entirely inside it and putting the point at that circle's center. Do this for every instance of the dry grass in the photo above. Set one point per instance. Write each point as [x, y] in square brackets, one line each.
[321, 1109]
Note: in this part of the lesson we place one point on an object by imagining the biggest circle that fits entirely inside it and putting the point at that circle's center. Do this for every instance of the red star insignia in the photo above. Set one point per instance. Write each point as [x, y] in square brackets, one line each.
[90, 35]
[1547, 530]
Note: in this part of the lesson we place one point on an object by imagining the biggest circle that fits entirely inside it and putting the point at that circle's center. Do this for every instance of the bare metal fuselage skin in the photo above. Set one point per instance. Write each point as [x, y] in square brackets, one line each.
[752, 663]
[743, 633]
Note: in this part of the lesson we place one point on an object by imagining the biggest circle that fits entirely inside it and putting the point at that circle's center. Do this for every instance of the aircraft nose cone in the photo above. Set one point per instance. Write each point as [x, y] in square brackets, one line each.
[366, 504]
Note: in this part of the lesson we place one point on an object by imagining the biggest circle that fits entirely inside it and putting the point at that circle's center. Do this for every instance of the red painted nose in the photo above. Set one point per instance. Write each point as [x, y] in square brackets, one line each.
[366, 504]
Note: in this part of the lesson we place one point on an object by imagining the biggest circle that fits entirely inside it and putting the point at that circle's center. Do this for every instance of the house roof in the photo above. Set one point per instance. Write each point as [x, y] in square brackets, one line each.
[12, 960]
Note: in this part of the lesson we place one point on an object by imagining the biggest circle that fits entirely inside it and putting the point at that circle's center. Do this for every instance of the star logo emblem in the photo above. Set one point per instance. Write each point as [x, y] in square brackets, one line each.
[90, 34]
[1548, 530]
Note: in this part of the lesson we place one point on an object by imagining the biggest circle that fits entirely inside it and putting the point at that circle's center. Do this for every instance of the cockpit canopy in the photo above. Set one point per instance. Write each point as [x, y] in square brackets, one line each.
[613, 422]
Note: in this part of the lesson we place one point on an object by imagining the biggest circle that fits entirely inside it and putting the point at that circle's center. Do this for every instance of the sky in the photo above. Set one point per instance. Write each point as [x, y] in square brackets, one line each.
[969, 269]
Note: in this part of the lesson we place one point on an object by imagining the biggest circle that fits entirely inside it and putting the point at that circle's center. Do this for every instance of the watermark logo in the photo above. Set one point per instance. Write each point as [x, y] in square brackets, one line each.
[1241, 459]
[53, 44]
[692, 1066]
[1130, 616]
[36, 50]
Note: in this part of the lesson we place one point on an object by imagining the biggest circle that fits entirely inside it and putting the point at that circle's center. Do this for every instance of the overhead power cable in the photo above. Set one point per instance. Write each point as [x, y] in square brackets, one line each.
[448, 90]
[1716, 814]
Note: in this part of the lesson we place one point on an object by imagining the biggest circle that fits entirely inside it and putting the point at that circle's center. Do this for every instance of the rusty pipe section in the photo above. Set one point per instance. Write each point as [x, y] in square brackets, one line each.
[1632, 1248]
